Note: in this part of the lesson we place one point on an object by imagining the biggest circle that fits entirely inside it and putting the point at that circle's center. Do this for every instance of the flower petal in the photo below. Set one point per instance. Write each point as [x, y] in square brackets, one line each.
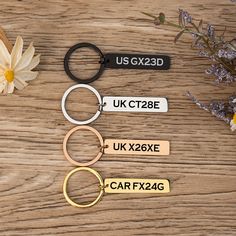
[2, 71]
[9, 88]
[2, 78]
[2, 67]
[35, 61]
[233, 127]
[16, 52]
[26, 75]
[26, 58]
[20, 84]
[5, 57]
[2, 86]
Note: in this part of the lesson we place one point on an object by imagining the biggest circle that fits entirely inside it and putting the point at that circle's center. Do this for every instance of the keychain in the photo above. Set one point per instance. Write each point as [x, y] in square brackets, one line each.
[118, 185]
[117, 61]
[116, 103]
[119, 146]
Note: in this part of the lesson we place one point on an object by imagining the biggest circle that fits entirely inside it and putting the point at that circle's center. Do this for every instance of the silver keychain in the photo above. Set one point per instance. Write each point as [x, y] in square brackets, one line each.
[116, 104]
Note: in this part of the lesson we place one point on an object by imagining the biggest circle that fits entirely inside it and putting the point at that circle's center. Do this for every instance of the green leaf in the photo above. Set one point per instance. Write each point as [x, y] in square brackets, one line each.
[179, 35]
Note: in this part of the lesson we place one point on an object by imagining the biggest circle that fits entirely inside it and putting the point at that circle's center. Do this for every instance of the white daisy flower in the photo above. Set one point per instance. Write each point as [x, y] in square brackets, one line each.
[233, 123]
[15, 68]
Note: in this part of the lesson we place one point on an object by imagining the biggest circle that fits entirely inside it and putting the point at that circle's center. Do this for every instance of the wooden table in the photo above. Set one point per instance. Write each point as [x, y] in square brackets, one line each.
[202, 164]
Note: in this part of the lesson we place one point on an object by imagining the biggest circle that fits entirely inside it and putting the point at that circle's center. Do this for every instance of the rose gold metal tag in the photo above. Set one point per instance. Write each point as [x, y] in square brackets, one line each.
[123, 185]
[143, 147]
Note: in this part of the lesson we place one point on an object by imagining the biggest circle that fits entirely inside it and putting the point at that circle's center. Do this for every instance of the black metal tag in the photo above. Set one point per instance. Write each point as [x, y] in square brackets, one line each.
[136, 61]
[117, 60]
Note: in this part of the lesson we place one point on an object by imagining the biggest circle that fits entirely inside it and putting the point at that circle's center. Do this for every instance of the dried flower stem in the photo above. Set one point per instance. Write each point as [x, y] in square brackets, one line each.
[5, 40]
[212, 108]
[185, 29]
[222, 53]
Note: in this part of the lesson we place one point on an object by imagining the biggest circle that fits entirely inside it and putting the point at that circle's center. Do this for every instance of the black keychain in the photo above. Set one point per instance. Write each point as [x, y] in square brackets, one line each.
[117, 61]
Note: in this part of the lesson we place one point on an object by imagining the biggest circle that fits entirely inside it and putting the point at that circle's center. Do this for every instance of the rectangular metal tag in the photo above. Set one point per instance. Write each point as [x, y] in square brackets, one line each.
[141, 147]
[135, 104]
[123, 185]
[137, 61]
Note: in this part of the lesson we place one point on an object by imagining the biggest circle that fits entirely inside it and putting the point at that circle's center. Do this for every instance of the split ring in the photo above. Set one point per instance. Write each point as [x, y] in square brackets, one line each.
[101, 186]
[67, 59]
[94, 160]
[63, 104]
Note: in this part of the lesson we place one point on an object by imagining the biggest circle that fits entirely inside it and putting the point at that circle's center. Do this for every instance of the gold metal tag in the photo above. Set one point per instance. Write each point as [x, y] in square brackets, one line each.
[143, 147]
[123, 185]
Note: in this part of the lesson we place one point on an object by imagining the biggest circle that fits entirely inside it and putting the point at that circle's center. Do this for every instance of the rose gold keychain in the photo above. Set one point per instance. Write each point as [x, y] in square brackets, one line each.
[118, 185]
[119, 146]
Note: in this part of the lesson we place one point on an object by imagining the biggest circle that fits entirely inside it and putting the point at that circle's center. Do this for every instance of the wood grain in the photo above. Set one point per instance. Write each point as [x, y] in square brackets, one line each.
[202, 164]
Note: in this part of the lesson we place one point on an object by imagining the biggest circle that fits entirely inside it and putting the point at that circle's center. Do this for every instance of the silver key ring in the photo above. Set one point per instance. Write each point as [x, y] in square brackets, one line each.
[116, 104]
[63, 104]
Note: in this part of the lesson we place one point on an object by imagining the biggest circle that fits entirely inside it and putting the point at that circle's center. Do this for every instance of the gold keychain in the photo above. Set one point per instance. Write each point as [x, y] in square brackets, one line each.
[119, 146]
[118, 185]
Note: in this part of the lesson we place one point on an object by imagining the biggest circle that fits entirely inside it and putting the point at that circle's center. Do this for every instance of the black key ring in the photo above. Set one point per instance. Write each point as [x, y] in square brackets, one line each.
[67, 58]
[118, 61]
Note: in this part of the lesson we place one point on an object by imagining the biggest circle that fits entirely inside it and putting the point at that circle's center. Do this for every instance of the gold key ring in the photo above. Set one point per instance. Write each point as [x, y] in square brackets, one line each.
[68, 157]
[101, 186]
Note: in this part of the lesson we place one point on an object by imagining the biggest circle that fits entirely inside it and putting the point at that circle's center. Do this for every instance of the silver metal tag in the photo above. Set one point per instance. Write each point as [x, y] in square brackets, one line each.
[135, 104]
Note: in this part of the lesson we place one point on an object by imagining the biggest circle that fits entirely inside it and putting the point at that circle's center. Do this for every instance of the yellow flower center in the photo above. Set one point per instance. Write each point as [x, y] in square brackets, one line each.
[234, 118]
[9, 75]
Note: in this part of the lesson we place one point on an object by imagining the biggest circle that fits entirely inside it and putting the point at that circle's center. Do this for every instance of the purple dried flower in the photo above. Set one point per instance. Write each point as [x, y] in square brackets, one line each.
[210, 31]
[217, 108]
[184, 17]
[228, 54]
[221, 74]
[212, 46]
[200, 45]
[231, 55]
[203, 54]
[232, 104]
[221, 53]
[230, 78]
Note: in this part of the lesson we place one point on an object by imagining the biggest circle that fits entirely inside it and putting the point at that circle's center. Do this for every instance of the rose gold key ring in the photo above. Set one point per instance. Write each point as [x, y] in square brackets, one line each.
[119, 146]
[68, 157]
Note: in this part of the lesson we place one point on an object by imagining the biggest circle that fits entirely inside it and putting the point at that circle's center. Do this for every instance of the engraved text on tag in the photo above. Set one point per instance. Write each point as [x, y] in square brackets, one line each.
[123, 185]
[139, 147]
[135, 104]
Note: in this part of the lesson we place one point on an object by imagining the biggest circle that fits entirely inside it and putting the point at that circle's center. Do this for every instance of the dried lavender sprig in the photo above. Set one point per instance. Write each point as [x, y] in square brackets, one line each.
[208, 43]
[216, 108]
[197, 102]
[221, 74]
[184, 17]
[213, 47]
[228, 54]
